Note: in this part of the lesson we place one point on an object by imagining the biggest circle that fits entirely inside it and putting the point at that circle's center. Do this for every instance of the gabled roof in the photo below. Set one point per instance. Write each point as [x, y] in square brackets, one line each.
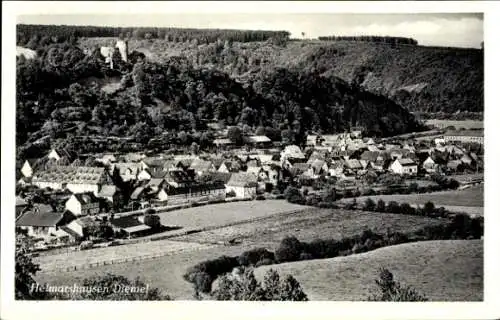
[67, 174]
[353, 164]
[293, 151]
[85, 221]
[45, 217]
[201, 165]
[370, 155]
[254, 170]
[406, 162]
[219, 176]
[256, 139]
[243, 179]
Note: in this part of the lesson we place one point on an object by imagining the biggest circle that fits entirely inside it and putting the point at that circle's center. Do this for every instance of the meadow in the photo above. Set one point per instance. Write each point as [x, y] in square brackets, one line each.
[458, 124]
[166, 272]
[470, 200]
[442, 270]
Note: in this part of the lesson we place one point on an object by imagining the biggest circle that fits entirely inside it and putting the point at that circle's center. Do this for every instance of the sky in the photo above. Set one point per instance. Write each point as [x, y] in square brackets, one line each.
[436, 29]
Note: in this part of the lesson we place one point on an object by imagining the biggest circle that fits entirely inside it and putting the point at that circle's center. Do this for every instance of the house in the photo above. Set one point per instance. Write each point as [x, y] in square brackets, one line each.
[21, 205]
[318, 167]
[75, 179]
[257, 141]
[82, 204]
[292, 153]
[468, 136]
[336, 169]
[29, 167]
[43, 222]
[223, 143]
[243, 184]
[229, 166]
[128, 170]
[201, 166]
[80, 226]
[429, 165]
[195, 192]
[59, 154]
[130, 225]
[404, 166]
[353, 164]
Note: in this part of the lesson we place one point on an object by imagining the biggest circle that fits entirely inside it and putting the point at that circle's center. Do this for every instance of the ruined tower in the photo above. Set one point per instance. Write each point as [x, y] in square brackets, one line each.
[122, 45]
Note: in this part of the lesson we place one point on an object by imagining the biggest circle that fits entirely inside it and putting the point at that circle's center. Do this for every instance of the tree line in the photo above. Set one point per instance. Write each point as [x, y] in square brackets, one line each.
[33, 36]
[380, 39]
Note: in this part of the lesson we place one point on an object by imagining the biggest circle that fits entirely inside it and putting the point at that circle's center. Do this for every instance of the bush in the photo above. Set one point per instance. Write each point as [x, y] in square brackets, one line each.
[369, 205]
[429, 208]
[405, 208]
[293, 195]
[392, 207]
[413, 187]
[231, 194]
[380, 206]
[390, 290]
[212, 268]
[306, 256]
[260, 197]
[252, 257]
[289, 249]
[152, 220]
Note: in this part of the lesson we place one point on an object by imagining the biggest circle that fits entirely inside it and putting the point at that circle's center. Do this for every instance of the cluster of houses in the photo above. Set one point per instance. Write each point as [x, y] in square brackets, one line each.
[135, 181]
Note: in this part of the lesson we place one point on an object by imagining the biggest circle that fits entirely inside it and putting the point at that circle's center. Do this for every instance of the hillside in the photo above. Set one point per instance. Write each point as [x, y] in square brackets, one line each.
[442, 270]
[428, 79]
[175, 98]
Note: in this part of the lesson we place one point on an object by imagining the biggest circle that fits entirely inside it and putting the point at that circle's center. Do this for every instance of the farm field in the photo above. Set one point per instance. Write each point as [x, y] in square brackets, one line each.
[471, 199]
[166, 272]
[225, 213]
[467, 124]
[442, 270]
[309, 225]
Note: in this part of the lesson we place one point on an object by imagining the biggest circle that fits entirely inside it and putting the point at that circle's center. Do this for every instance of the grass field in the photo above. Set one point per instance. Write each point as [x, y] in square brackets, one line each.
[309, 225]
[166, 272]
[225, 213]
[442, 270]
[470, 200]
[467, 124]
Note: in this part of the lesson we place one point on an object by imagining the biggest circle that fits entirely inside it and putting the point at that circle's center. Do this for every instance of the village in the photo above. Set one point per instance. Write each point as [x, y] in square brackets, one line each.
[61, 202]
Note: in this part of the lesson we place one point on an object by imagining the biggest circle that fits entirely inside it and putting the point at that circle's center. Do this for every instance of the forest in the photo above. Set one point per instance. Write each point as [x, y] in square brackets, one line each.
[31, 36]
[168, 103]
[386, 39]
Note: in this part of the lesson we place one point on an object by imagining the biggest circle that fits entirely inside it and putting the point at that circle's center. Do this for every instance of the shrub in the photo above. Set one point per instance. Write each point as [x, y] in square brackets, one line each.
[231, 194]
[260, 197]
[429, 208]
[413, 187]
[289, 249]
[293, 195]
[405, 208]
[392, 207]
[152, 220]
[321, 249]
[212, 268]
[369, 205]
[246, 287]
[390, 290]
[380, 206]
[252, 257]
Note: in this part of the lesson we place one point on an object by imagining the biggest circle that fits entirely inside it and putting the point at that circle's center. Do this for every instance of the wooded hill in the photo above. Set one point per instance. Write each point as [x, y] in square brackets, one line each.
[174, 98]
[425, 79]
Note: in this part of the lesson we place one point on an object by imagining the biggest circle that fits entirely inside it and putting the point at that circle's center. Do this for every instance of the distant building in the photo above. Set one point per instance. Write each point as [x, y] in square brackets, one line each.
[243, 184]
[82, 204]
[75, 179]
[404, 166]
[468, 136]
[42, 221]
[258, 141]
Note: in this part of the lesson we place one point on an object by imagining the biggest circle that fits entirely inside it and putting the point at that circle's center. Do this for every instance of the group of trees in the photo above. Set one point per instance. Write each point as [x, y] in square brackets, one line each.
[381, 39]
[32, 36]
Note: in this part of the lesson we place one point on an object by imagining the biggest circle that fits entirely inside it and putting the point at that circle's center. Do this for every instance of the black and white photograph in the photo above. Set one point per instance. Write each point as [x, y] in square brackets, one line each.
[246, 156]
